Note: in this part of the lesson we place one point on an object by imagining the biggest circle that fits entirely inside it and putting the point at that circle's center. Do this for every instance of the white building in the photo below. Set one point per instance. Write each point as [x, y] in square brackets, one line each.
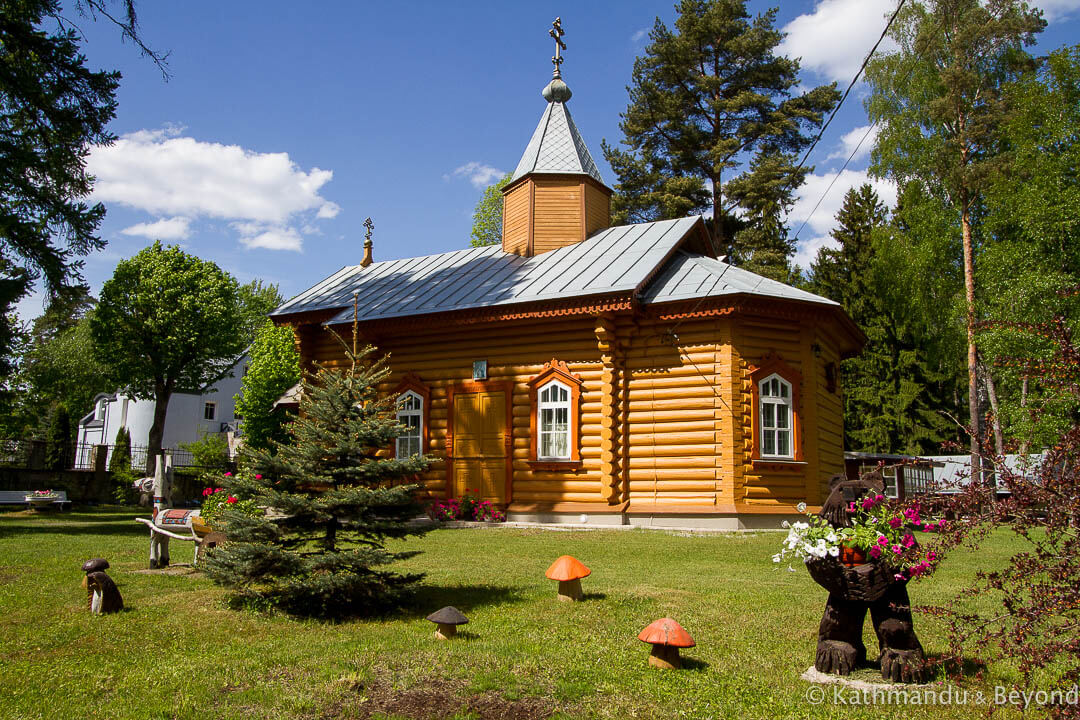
[190, 417]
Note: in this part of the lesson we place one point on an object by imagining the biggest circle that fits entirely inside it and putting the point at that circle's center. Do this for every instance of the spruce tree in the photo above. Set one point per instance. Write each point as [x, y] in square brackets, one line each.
[58, 440]
[893, 391]
[712, 124]
[332, 503]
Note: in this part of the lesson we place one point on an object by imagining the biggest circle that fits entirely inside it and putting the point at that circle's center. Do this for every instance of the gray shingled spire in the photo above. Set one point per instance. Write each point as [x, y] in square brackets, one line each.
[556, 145]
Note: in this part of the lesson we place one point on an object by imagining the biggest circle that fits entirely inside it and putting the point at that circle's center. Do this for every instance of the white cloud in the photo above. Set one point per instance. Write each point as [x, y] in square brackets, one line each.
[851, 140]
[478, 174]
[162, 172]
[268, 237]
[1054, 10]
[639, 35]
[834, 39]
[820, 223]
[177, 228]
[807, 251]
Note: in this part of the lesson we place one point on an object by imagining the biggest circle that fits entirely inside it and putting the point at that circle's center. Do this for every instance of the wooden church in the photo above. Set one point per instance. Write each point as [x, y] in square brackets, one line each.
[588, 373]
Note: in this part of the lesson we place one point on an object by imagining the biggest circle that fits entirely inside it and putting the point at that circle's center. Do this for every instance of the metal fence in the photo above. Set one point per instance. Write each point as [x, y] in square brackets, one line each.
[35, 454]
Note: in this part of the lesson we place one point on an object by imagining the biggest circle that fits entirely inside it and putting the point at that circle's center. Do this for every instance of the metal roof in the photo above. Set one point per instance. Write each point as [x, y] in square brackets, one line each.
[613, 260]
[556, 147]
[691, 275]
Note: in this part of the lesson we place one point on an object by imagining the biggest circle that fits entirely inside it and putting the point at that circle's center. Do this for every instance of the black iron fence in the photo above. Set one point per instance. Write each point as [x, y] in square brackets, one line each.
[41, 455]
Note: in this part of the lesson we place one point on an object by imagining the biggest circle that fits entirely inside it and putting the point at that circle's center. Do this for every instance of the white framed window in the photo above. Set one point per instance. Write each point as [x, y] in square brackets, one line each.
[209, 411]
[553, 410]
[776, 418]
[410, 413]
[99, 411]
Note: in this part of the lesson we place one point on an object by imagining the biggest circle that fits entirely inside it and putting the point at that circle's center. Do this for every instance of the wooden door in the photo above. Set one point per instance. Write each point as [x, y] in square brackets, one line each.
[481, 443]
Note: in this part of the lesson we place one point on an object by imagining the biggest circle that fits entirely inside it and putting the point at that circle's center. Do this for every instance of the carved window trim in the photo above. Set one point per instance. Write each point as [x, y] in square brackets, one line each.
[555, 371]
[772, 364]
[412, 383]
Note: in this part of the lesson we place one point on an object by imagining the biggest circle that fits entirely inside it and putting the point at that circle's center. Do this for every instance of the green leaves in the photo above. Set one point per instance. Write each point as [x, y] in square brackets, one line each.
[274, 368]
[488, 215]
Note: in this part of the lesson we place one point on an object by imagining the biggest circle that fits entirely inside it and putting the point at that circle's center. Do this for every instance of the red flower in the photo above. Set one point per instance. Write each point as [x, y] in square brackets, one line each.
[231, 500]
[258, 477]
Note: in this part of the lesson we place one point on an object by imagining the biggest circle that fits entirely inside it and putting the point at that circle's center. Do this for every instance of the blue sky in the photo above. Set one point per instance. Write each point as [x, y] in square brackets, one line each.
[284, 124]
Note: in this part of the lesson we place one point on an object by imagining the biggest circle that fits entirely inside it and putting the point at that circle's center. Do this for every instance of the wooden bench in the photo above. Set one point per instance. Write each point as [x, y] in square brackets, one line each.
[18, 497]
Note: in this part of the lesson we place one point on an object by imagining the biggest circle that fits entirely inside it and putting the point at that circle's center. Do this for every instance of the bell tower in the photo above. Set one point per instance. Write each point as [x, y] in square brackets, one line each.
[556, 196]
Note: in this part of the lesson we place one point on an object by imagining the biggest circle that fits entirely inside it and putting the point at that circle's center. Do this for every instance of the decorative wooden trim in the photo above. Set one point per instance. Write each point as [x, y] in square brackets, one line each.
[772, 363]
[507, 387]
[555, 370]
[412, 382]
[530, 249]
[555, 465]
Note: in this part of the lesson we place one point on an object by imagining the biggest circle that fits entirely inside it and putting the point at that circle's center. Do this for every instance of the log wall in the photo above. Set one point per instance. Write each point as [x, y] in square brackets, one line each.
[666, 419]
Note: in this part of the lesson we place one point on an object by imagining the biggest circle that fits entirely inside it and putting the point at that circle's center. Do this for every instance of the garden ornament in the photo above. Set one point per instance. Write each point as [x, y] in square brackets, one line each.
[102, 596]
[568, 571]
[666, 637]
[872, 585]
[168, 522]
[447, 621]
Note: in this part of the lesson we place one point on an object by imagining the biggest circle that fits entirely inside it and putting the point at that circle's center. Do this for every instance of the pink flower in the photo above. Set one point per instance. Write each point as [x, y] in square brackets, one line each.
[897, 549]
[228, 474]
[908, 541]
[851, 506]
[868, 503]
[916, 522]
[258, 477]
[931, 556]
[207, 492]
[879, 497]
[898, 576]
[882, 540]
[895, 522]
[875, 552]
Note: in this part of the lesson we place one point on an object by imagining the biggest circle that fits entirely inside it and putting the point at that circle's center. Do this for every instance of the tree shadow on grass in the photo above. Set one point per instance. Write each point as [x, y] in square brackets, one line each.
[426, 598]
[121, 526]
[589, 596]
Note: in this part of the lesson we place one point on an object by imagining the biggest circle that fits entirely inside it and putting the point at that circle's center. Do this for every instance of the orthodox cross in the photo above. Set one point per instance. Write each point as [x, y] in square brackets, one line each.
[556, 32]
[370, 226]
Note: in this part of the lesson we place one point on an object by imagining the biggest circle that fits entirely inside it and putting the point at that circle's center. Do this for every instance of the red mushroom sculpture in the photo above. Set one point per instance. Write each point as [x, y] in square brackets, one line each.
[666, 637]
[568, 571]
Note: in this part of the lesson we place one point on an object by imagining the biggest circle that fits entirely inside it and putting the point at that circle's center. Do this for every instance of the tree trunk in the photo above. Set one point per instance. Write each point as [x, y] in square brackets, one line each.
[991, 393]
[969, 296]
[162, 393]
[1023, 403]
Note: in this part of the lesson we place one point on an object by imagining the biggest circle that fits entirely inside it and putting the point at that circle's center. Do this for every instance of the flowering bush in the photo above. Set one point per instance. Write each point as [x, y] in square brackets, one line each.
[468, 507]
[216, 500]
[43, 494]
[877, 528]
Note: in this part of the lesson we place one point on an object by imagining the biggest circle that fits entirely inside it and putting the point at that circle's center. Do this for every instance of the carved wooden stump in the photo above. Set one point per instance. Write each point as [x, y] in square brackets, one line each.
[853, 591]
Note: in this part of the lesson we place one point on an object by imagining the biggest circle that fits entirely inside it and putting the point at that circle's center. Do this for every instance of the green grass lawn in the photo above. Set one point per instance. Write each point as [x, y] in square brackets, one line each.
[177, 651]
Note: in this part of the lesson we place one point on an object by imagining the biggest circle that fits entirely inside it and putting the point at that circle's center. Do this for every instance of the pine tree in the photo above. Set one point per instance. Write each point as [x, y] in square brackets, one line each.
[332, 503]
[58, 440]
[712, 125]
[892, 389]
[120, 460]
[940, 101]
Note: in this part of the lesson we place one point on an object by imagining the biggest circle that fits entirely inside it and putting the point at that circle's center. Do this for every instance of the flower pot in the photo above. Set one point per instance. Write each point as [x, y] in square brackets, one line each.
[852, 556]
[40, 501]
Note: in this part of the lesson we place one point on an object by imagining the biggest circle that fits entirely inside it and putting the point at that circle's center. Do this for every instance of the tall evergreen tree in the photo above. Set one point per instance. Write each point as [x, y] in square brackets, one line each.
[58, 440]
[333, 503]
[940, 102]
[892, 390]
[712, 125]
[120, 460]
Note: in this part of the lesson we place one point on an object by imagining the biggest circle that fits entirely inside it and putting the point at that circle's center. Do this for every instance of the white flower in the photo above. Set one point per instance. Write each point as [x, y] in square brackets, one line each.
[801, 507]
[801, 526]
[834, 551]
[777, 557]
[785, 524]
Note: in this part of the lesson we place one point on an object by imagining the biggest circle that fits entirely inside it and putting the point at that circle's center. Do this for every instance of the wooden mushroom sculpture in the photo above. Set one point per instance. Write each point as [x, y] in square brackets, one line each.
[447, 621]
[568, 571]
[666, 637]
